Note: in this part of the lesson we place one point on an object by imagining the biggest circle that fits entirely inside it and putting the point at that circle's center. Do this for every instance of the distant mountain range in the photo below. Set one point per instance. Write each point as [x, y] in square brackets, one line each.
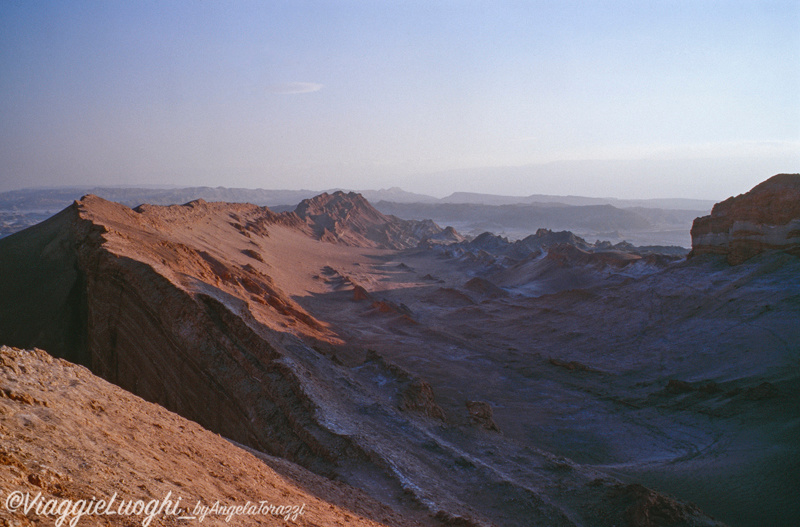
[42, 199]
[643, 222]
[663, 203]
[532, 216]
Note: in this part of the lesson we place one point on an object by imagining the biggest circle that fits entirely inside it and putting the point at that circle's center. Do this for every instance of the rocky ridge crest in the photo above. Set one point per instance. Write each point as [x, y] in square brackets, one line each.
[349, 218]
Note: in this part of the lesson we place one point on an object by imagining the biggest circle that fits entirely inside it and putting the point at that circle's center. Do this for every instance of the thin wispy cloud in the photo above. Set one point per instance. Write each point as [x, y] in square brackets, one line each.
[294, 87]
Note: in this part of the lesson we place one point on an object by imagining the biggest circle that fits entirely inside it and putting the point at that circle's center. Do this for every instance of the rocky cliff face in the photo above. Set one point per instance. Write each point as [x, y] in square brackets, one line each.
[350, 219]
[766, 218]
[150, 300]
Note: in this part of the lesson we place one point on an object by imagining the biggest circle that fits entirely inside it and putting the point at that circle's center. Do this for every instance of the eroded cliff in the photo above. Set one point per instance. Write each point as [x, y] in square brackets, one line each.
[765, 218]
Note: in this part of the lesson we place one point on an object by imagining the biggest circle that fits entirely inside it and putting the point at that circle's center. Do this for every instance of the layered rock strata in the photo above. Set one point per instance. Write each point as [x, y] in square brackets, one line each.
[766, 218]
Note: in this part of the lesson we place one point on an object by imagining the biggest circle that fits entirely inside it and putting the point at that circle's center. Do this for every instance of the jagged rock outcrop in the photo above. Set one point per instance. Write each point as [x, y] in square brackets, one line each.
[481, 414]
[417, 396]
[350, 219]
[488, 246]
[447, 236]
[765, 218]
[544, 238]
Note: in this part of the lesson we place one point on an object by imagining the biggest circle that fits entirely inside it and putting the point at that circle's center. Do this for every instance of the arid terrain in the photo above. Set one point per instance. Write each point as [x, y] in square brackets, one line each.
[395, 371]
[643, 222]
[70, 435]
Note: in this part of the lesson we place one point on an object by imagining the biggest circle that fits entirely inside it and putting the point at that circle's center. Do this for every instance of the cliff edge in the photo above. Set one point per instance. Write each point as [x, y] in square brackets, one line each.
[766, 218]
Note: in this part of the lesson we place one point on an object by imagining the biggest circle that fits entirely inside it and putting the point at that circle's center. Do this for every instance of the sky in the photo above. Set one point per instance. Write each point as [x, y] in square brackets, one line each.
[630, 99]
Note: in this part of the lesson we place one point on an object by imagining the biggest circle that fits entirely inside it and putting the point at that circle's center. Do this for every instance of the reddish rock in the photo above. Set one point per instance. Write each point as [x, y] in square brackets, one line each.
[766, 218]
[359, 293]
[253, 254]
[133, 295]
[385, 306]
[351, 220]
[481, 414]
[84, 437]
[417, 396]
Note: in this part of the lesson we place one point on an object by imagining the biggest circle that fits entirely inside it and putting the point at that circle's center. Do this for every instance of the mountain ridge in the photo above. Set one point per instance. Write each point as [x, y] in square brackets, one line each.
[59, 197]
[635, 221]
[351, 219]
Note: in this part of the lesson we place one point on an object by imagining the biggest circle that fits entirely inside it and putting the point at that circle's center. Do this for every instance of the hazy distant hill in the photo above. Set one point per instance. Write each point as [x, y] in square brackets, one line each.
[397, 195]
[58, 198]
[520, 216]
[54, 199]
[664, 203]
[644, 222]
[639, 225]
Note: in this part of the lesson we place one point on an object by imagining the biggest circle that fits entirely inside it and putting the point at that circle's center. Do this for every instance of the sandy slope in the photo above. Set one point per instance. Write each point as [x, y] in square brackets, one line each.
[70, 435]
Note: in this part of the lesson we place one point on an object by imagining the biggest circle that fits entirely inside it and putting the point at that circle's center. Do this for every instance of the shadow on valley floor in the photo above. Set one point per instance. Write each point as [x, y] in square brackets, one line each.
[685, 379]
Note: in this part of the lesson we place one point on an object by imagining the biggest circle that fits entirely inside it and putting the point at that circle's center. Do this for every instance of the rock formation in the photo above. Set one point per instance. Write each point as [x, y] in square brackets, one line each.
[766, 218]
[480, 412]
[350, 219]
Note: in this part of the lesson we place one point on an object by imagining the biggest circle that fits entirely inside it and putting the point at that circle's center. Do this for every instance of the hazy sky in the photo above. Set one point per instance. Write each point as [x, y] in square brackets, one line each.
[623, 98]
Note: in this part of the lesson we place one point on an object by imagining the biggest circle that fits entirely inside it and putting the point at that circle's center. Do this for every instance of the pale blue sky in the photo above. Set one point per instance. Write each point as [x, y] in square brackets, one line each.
[430, 96]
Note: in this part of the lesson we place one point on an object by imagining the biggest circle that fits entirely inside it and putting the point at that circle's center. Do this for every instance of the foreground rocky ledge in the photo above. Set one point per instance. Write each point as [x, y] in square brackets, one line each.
[110, 442]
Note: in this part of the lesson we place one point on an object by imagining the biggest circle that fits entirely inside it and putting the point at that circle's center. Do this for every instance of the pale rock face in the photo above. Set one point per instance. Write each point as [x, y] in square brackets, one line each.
[745, 231]
[766, 218]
